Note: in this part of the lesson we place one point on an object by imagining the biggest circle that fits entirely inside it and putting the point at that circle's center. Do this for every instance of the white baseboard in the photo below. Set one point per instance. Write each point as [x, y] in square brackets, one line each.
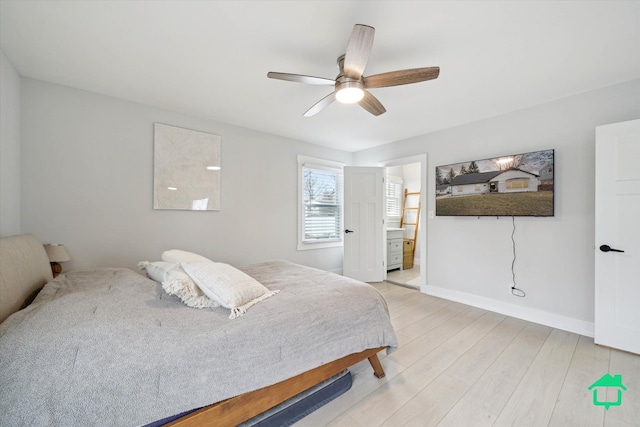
[529, 314]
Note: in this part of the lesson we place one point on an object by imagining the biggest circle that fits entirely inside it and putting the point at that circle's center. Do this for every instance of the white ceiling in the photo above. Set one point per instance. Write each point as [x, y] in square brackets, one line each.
[210, 58]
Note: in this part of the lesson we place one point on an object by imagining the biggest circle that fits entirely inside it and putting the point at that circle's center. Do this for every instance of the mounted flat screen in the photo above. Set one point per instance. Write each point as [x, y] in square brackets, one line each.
[512, 185]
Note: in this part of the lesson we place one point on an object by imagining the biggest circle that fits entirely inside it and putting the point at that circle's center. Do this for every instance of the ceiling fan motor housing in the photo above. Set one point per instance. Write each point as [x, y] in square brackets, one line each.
[349, 90]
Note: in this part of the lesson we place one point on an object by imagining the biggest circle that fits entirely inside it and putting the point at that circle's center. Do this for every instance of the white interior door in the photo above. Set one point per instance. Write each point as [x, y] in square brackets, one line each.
[617, 293]
[364, 223]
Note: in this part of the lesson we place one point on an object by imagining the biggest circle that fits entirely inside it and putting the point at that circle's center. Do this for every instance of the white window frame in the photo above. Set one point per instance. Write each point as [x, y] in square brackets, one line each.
[316, 163]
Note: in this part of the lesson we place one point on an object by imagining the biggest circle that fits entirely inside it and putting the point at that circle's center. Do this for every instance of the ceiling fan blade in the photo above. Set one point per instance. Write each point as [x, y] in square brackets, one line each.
[299, 78]
[401, 77]
[371, 104]
[320, 105]
[358, 50]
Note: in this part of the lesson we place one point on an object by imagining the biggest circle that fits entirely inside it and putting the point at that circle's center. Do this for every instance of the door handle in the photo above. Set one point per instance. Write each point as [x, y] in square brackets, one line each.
[348, 231]
[607, 248]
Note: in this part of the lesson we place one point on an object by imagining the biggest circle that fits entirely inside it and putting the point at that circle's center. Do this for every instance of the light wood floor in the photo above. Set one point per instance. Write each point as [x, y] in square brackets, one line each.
[410, 276]
[462, 366]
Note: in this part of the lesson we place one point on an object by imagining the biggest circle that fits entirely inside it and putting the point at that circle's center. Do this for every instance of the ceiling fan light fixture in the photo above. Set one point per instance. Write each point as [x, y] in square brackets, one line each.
[349, 91]
[349, 95]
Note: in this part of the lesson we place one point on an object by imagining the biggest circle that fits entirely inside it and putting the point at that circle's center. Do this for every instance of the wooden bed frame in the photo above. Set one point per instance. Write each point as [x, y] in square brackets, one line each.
[232, 412]
[25, 268]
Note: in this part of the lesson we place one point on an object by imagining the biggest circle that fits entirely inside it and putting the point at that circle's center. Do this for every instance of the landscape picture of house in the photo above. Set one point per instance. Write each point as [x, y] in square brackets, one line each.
[513, 185]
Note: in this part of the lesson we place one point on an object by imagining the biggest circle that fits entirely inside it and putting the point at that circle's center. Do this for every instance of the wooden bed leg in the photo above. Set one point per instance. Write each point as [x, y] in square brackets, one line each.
[377, 366]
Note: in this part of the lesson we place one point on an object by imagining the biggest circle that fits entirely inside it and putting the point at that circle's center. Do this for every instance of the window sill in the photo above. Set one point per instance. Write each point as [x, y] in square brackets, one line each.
[319, 245]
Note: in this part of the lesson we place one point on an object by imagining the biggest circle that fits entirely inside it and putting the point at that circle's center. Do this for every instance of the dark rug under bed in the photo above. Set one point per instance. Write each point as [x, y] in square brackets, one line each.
[294, 409]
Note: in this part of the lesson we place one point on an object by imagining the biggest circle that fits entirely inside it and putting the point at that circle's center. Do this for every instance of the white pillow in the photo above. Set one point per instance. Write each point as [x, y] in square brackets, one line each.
[230, 287]
[178, 256]
[176, 282]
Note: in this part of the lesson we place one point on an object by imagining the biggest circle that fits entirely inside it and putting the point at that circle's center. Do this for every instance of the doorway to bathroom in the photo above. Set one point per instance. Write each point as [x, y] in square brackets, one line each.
[405, 221]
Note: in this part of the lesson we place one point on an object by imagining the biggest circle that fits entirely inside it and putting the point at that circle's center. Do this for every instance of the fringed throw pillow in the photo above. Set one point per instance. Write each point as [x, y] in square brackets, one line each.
[228, 286]
[176, 282]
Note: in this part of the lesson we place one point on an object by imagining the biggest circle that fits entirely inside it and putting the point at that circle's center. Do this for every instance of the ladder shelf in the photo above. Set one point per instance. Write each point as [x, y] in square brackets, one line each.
[405, 211]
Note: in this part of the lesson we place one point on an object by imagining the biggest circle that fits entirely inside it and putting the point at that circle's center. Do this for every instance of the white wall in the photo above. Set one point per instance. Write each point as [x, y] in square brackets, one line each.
[87, 182]
[469, 259]
[9, 148]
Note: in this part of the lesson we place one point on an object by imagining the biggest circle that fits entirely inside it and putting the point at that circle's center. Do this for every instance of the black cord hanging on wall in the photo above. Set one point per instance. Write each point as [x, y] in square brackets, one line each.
[514, 290]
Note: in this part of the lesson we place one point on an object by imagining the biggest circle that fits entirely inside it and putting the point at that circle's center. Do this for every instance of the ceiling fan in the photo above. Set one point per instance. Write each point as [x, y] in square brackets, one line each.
[350, 85]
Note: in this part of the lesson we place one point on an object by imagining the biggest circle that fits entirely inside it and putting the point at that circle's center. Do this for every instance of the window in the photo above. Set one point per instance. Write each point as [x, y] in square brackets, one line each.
[320, 204]
[516, 183]
[394, 198]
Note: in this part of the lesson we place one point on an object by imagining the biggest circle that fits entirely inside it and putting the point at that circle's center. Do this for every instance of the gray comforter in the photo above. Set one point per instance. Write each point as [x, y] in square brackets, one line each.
[109, 347]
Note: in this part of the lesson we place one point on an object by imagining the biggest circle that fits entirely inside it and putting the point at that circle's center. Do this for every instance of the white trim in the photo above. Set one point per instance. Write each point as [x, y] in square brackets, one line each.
[529, 314]
[314, 161]
[317, 167]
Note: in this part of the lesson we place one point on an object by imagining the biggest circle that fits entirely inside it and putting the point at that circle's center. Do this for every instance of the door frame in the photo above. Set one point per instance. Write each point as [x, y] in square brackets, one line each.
[422, 232]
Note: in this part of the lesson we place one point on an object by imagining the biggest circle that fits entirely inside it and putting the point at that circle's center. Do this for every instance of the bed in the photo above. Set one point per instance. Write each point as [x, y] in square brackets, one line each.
[109, 344]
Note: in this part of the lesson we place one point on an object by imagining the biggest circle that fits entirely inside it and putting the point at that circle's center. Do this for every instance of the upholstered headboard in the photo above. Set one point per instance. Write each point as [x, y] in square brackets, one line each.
[24, 269]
